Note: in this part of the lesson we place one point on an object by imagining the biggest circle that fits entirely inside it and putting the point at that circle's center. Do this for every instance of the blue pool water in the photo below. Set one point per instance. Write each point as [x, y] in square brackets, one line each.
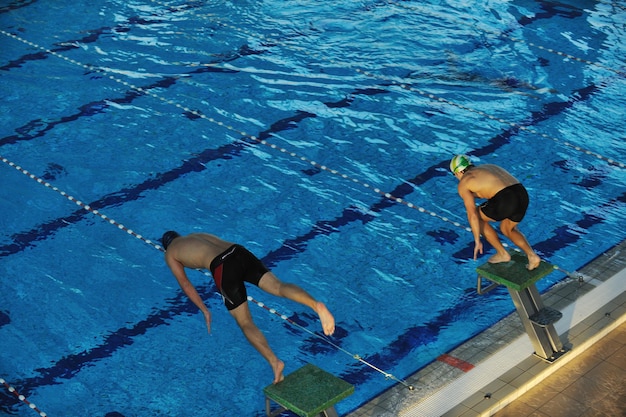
[318, 135]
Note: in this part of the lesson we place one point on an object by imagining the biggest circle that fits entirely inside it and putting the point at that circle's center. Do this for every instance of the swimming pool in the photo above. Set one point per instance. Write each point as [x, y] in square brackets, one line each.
[294, 129]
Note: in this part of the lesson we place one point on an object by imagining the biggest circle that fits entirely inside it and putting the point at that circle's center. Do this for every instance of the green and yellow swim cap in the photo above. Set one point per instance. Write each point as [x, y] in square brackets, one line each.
[459, 163]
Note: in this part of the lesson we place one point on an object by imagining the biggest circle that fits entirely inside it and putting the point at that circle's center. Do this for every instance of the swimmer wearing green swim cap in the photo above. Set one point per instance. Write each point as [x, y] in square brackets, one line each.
[507, 201]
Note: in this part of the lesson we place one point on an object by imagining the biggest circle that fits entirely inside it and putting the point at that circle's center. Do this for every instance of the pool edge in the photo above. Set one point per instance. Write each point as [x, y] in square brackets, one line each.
[443, 390]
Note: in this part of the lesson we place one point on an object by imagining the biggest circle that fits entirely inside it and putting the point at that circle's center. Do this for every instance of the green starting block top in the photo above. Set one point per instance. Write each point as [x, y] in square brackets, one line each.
[309, 391]
[514, 274]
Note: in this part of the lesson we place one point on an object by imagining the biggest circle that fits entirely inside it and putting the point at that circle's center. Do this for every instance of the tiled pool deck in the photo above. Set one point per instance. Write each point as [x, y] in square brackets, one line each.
[504, 365]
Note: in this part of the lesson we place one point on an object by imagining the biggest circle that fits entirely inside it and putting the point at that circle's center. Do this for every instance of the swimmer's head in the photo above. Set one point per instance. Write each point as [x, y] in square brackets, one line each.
[459, 163]
[167, 238]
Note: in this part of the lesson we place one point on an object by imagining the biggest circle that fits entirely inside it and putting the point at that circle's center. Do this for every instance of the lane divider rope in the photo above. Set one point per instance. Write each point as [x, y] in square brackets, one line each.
[281, 149]
[425, 11]
[129, 231]
[303, 158]
[293, 154]
[404, 85]
[514, 125]
[21, 397]
[244, 134]
[320, 166]
[159, 247]
[354, 356]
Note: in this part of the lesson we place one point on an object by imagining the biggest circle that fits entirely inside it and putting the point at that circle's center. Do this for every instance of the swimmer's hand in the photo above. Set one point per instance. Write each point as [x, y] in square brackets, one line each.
[478, 248]
[207, 319]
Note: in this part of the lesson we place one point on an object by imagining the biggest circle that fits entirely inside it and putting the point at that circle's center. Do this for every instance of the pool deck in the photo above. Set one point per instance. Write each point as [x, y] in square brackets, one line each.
[507, 379]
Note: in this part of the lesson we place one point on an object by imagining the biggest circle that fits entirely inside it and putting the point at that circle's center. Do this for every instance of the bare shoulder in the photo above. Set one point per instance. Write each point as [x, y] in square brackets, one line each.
[499, 173]
[492, 169]
[195, 250]
[171, 254]
[474, 174]
[203, 236]
[466, 183]
[482, 181]
[209, 238]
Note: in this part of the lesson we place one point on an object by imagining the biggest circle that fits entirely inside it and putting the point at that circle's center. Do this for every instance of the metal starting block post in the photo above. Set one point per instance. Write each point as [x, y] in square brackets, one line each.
[537, 319]
[308, 392]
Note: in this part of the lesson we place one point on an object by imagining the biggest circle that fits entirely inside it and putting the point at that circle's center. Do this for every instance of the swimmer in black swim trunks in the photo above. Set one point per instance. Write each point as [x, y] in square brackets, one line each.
[507, 201]
[231, 266]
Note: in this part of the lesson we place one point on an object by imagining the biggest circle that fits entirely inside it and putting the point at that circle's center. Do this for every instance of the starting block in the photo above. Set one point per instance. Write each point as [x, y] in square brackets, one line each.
[537, 319]
[308, 392]
[512, 274]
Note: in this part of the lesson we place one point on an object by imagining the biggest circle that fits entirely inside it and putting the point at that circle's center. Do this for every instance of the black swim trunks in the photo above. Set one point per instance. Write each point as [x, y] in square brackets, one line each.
[509, 203]
[230, 269]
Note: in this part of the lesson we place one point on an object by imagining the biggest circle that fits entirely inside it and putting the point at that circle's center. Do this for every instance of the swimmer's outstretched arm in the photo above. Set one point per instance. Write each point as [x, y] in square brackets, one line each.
[179, 272]
[473, 217]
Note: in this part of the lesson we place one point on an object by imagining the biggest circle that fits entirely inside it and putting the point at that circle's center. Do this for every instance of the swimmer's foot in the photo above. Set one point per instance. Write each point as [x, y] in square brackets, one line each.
[327, 319]
[499, 258]
[533, 262]
[278, 368]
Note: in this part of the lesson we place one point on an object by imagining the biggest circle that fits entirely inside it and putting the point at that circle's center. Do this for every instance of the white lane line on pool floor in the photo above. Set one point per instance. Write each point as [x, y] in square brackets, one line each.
[521, 348]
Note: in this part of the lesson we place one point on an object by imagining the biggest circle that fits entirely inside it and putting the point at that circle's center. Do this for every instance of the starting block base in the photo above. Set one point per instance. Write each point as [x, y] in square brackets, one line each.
[308, 392]
[513, 274]
[537, 319]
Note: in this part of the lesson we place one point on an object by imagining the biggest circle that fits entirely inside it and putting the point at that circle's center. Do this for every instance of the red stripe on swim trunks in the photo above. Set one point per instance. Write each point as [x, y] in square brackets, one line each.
[217, 274]
[456, 362]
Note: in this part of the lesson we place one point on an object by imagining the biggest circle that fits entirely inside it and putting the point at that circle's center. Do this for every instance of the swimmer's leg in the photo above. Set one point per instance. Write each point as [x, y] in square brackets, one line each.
[271, 284]
[256, 338]
[510, 230]
[494, 240]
